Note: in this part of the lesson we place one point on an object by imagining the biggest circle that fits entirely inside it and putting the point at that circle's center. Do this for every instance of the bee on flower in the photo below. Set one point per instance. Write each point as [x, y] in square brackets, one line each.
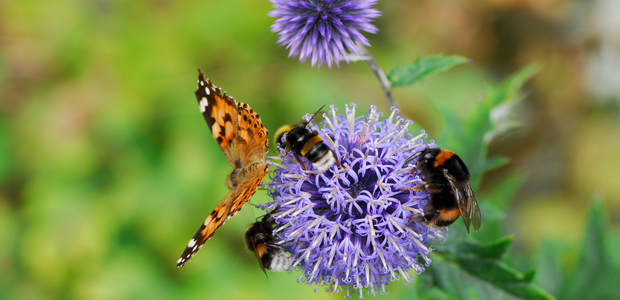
[349, 228]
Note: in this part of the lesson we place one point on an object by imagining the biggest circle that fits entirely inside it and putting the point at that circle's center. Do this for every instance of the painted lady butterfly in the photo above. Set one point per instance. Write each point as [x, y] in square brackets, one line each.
[239, 131]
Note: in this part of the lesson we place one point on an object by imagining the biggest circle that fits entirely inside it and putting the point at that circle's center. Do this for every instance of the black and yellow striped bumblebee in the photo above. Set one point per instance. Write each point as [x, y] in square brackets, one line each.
[259, 239]
[307, 143]
[446, 178]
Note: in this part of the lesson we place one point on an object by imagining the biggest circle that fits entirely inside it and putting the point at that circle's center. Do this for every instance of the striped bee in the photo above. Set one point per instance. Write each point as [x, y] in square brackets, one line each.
[307, 143]
[260, 240]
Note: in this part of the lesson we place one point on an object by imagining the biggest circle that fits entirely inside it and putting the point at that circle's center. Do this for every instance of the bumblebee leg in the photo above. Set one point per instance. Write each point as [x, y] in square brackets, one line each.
[417, 188]
[425, 186]
[299, 161]
[434, 187]
[413, 170]
[286, 151]
[338, 162]
[421, 187]
[416, 218]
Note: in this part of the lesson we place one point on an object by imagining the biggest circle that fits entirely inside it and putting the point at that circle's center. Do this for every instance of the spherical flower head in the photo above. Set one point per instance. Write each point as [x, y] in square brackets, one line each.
[322, 29]
[349, 227]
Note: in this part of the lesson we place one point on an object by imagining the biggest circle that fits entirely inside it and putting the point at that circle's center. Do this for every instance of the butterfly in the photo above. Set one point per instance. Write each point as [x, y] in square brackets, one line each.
[240, 133]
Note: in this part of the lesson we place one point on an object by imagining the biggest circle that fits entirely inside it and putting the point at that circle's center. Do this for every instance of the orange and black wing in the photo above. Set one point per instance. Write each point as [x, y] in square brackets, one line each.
[240, 133]
[220, 113]
[228, 207]
[251, 143]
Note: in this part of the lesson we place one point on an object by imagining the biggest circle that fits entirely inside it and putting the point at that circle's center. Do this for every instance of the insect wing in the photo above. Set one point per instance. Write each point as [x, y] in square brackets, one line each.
[472, 210]
[468, 205]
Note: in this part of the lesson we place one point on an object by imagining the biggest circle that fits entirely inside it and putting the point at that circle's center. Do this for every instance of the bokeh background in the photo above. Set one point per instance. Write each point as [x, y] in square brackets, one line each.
[107, 168]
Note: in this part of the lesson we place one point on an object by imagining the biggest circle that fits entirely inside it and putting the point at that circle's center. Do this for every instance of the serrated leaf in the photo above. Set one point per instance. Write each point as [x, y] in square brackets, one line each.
[422, 68]
[483, 272]
[475, 249]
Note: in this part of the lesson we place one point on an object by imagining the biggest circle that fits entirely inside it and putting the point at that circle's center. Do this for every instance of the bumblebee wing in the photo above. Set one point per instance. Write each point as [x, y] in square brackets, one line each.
[472, 210]
[468, 205]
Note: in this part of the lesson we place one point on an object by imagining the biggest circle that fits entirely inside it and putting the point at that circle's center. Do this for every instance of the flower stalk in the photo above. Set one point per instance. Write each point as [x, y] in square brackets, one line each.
[374, 67]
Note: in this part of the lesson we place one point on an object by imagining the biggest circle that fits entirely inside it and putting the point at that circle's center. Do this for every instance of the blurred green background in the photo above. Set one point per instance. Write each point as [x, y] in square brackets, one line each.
[107, 168]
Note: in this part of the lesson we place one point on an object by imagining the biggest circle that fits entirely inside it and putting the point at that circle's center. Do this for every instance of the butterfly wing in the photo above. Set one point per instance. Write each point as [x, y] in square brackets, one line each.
[241, 135]
[220, 113]
[251, 138]
[236, 127]
[228, 207]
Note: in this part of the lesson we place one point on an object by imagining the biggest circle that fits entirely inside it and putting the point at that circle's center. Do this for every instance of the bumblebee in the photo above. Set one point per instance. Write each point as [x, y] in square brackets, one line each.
[446, 178]
[260, 240]
[307, 143]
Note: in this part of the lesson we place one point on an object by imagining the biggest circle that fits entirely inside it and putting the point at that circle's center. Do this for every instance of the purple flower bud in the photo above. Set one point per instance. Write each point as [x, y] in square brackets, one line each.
[322, 29]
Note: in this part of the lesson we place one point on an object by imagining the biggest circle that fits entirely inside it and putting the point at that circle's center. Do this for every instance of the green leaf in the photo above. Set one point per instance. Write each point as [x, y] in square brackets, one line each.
[550, 273]
[595, 276]
[471, 136]
[529, 275]
[437, 294]
[423, 67]
[473, 270]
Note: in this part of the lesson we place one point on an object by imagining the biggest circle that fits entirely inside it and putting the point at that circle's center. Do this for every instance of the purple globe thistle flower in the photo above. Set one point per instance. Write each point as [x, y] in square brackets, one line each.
[322, 29]
[349, 228]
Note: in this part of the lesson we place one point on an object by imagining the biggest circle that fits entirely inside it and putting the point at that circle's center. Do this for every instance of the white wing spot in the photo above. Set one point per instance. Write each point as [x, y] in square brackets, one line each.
[203, 108]
[180, 260]
[189, 255]
[191, 243]
[202, 83]
[194, 249]
[207, 90]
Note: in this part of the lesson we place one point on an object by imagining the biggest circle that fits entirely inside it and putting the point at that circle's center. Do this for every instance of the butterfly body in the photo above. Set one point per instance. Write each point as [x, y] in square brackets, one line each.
[240, 133]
